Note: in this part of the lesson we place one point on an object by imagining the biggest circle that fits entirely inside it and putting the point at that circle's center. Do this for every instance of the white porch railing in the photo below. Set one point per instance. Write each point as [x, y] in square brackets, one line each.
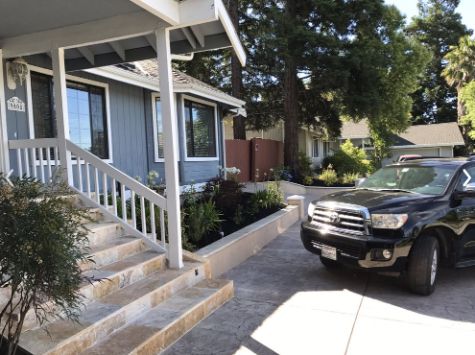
[120, 197]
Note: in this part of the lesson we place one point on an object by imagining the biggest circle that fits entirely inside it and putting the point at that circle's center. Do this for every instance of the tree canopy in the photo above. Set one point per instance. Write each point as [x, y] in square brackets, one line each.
[437, 27]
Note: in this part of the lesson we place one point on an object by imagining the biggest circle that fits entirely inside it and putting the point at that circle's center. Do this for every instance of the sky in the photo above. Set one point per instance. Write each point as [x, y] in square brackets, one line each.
[466, 9]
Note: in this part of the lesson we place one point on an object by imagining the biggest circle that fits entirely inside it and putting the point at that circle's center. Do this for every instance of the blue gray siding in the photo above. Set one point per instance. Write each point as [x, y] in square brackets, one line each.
[131, 129]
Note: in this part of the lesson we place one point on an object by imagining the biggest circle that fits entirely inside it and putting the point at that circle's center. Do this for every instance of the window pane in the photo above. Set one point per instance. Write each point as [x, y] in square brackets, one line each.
[200, 128]
[79, 120]
[159, 122]
[44, 123]
[315, 152]
[100, 146]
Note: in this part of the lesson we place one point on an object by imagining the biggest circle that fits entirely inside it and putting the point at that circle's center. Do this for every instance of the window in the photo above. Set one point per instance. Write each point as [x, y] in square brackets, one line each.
[326, 149]
[315, 148]
[159, 153]
[200, 127]
[86, 110]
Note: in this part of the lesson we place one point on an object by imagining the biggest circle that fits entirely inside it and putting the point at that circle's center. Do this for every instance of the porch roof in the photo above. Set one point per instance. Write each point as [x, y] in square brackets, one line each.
[103, 32]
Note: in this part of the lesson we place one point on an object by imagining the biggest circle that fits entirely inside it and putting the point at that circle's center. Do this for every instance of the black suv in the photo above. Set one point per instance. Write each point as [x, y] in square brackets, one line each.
[407, 219]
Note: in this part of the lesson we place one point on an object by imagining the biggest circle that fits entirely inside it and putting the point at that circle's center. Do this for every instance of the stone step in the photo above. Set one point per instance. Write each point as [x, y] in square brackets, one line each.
[92, 215]
[103, 317]
[114, 277]
[112, 251]
[155, 330]
[101, 232]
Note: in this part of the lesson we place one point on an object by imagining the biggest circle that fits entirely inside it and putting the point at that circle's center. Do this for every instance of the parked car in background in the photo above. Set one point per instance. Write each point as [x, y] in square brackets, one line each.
[407, 218]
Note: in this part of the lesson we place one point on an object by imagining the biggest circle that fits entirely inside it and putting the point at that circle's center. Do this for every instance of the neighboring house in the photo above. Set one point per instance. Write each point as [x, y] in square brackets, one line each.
[115, 113]
[435, 140]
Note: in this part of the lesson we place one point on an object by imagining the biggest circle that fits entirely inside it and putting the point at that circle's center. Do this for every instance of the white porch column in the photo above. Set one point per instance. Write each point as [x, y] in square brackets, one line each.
[167, 99]
[4, 157]
[61, 110]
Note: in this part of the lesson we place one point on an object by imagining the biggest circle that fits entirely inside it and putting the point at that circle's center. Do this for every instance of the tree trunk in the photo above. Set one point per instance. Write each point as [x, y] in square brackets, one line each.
[239, 126]
[291, 126]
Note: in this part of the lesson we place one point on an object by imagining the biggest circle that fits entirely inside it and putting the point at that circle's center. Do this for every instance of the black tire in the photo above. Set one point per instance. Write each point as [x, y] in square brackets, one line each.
[328, 263]
[419, 271]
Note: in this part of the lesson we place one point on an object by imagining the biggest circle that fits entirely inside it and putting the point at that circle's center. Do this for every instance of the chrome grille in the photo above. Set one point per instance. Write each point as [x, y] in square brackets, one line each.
[348, 221]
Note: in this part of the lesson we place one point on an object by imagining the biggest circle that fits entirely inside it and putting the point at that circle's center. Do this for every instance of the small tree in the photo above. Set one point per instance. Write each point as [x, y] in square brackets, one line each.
[41, 243]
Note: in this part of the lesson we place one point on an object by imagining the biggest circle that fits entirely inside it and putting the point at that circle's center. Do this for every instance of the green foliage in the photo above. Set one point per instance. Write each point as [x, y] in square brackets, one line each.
[239, 215]
[268, 198]
[304, 166]
[307, 180]
[437, 27]
[199, 217]
[467, 96]
[349, 159]
[227, 194]
[328, 176]
[41, 243]
[349, 178]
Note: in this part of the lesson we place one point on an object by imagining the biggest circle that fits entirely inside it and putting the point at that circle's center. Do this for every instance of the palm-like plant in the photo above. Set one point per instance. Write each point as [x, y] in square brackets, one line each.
[460, 68]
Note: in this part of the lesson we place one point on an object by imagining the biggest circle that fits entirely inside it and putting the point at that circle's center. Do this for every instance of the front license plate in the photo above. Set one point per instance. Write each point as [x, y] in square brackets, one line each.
[328, 252]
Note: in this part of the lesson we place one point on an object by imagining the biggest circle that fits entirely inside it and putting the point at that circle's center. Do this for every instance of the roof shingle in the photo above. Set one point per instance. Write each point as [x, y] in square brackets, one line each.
[428, 135]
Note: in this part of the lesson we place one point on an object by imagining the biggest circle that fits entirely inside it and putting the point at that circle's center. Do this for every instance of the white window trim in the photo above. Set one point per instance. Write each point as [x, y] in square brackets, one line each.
[157, 159]
[207, 103]
[29, 95]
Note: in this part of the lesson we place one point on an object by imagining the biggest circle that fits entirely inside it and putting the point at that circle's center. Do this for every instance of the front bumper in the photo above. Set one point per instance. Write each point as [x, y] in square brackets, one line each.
[358, 251]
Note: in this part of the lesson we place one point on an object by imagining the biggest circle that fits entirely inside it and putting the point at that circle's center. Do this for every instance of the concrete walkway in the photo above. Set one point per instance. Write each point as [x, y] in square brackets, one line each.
[286, 302]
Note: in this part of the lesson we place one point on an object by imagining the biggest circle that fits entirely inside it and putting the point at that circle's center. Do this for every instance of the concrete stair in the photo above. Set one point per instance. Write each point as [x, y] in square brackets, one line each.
[139, 307]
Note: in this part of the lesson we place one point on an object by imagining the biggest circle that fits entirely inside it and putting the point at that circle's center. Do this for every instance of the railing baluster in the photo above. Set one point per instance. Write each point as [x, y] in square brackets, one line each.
[42, 170]
[134, 213]
[88, 179]
[162, 227]
[152, 221]
[33, 158]
[123, 201]
[80, 174]
[142, 214]
[96, 184]
[27, 162]
[104, 190]
[56, 159]
[48, 160]
[20, 163]
[114, 197]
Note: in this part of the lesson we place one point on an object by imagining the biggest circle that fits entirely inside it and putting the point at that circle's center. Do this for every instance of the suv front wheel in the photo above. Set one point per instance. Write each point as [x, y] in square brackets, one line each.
[423, 265]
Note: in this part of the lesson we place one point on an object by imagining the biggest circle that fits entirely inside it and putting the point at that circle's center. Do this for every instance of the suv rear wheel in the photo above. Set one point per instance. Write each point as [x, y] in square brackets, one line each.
[423, 265]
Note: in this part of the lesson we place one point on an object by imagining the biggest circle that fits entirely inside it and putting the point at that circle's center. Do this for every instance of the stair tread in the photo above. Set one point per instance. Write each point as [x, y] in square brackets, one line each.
[111, 243]
[121, 265]
[135, 333]
[61, 330]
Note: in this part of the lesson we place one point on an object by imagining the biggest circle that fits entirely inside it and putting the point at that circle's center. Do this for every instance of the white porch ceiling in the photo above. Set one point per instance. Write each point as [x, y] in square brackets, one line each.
[103, 32]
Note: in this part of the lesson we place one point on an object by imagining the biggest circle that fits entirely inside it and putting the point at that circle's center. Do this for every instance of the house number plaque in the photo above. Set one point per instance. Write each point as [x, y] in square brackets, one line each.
[15, 104]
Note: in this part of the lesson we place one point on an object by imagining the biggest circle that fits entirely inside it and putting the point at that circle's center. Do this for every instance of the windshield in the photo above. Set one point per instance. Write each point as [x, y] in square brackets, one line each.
[428, 180]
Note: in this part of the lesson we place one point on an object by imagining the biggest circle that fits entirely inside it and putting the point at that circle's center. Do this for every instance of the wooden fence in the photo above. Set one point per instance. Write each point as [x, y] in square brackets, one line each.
[255, 158]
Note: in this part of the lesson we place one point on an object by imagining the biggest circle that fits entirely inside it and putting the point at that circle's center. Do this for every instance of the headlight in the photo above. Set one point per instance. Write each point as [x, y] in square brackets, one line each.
[311, 208]
[388, 221]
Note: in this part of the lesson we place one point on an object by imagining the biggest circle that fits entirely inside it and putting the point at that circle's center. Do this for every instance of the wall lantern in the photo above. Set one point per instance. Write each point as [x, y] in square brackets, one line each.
[17, 71]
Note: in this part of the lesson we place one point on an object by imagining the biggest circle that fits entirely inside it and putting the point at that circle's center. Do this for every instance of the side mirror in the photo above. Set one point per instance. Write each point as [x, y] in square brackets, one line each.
[467, 191]
[359, 181]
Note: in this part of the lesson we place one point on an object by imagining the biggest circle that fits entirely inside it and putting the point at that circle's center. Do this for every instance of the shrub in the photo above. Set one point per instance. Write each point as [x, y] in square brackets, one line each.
[349, 178]
[41, 243]
[307, 180]
[304, 166]
[282, 173]
[329, 176]
[227, 195]
[199, 217]
[349, 159]
[268, 198]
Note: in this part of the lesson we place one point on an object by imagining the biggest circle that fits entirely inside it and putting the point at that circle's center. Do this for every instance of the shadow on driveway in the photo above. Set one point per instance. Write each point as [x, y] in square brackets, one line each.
[286, 302]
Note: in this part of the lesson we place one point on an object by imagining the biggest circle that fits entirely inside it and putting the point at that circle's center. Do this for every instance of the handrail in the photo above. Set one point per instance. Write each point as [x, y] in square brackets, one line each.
[96, 183]
[32, 143]
[118, 175]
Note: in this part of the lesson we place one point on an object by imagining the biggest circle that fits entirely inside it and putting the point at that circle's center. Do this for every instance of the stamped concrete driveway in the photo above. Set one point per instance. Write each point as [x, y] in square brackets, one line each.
[286, 302]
